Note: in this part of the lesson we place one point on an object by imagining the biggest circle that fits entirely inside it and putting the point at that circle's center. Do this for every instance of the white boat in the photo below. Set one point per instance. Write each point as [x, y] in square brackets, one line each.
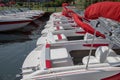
[64, 60]
[67, 34]
[11, 23]
[61, 24]
[20, 13]
[36, 13]
[14, 18]
[68, 62]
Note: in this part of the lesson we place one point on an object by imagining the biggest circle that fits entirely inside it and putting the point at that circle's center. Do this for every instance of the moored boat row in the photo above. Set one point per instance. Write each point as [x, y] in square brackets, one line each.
[17, 18]
[72, 48]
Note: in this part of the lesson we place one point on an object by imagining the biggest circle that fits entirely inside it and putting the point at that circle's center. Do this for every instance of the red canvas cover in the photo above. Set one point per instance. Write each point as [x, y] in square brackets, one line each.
[65, 4]
[67, 12]
[86, 26]
[107, 9]
[2, 5]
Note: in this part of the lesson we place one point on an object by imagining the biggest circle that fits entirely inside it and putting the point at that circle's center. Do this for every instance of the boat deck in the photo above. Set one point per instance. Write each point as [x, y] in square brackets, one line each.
[32, 61]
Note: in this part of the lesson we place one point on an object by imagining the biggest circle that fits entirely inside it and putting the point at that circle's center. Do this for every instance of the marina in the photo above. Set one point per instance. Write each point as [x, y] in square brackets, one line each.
[71, 44]
[60, 55]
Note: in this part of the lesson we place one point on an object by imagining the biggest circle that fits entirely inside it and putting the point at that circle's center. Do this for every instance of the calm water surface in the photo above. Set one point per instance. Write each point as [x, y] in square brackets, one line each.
[15, 46]
[12, 56]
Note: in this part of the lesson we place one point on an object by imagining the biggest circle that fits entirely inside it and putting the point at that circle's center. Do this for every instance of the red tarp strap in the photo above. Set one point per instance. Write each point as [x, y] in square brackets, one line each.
[95, 45]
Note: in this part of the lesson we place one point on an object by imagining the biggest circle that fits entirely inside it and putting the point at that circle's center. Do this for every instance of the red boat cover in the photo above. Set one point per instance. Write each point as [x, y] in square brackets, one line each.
[65, 4]
[2, 5]
[66, 12]
[86, 26]
[107, 9]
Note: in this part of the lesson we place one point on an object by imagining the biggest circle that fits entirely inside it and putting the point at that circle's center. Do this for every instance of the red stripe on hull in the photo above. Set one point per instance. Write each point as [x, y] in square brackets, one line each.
[95, 45]
[59, 36]
[83, 32]
[47, 45]
[15, 22]
[36, 16]
[58, 28]
[48, 64]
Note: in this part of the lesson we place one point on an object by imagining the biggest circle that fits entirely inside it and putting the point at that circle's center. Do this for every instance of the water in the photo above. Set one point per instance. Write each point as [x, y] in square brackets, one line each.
[12, 56]
[15, 46]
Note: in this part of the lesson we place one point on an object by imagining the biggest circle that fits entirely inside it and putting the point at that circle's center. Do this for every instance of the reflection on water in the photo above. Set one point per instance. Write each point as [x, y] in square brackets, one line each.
[16, 45]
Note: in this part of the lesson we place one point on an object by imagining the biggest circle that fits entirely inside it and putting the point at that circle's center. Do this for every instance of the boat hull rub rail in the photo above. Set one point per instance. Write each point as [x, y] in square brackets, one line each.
[74, 70]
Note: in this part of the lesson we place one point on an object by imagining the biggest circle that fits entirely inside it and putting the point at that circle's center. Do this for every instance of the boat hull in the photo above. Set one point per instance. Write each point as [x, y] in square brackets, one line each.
[11, 25]
[76, 72]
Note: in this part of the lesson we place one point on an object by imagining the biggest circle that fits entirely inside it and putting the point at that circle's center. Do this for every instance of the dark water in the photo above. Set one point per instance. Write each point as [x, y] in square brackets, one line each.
[16, 45]
[12, 56]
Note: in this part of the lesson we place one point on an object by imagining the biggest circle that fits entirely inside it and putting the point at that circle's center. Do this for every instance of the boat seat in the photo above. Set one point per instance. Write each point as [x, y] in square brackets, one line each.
[113, 59]
[92, 60]
[60, 57]
[101, 55]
